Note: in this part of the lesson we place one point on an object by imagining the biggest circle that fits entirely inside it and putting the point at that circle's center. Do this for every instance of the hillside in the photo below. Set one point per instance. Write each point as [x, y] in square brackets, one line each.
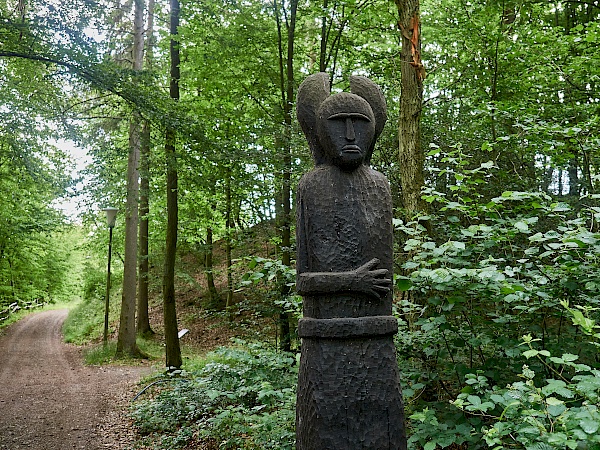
[252, 314]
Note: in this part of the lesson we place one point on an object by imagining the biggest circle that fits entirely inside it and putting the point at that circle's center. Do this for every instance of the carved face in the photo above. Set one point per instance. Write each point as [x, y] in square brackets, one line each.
[346, 129]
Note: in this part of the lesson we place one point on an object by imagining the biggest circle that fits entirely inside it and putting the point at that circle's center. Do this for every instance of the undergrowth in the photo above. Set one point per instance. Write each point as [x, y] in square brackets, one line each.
[240, 397]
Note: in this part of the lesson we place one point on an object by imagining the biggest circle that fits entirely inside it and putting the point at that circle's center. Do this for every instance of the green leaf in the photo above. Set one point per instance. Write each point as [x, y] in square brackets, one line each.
[522, 227]
[553, 401]
[590, 426]
[530, 353]
[557, 438]
[556, 410]
[558, 387]
[474, 400]
[431, 445]
[403, 283]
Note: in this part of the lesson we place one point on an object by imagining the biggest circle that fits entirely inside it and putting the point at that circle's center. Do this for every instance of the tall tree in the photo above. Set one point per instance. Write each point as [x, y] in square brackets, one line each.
[173, 351]
[143, 319]
[411, 156]
[229, 227]
[286, 86]
[126, 342]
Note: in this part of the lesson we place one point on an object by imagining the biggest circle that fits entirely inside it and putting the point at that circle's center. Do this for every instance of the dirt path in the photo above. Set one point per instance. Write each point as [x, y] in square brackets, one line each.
[50, 401]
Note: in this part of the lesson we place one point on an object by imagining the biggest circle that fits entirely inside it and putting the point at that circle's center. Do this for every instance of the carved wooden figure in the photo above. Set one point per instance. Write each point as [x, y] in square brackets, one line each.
[349, 393]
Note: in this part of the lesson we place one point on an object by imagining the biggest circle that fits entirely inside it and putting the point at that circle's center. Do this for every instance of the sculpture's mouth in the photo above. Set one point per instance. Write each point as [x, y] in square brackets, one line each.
[351, 148]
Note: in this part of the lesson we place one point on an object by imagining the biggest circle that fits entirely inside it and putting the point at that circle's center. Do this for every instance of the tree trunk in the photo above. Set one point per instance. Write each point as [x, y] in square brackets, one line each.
[328, 57]
[12, 279]
[287, 94]
[143, 319]
[324, 36]
[573, 173]
[213, 295]
[411, 156]
[150, 35]
[587, 173]
[173, 351]
[126, 343]
[560, 182]
[228, 228]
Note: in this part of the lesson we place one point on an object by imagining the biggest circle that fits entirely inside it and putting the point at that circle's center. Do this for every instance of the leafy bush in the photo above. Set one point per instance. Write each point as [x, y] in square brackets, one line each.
[243, 397]
[273, 282]
[86, 320]
[557, 412]
[494, 270]
[274, 275]
[94, 283]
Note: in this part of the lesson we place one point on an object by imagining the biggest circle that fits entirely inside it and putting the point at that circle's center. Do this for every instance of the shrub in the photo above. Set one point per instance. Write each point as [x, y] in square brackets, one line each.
[243, 397]
[494, 271]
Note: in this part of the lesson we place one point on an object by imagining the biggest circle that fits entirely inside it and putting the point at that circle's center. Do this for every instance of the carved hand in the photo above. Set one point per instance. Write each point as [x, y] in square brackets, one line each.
[371, 281]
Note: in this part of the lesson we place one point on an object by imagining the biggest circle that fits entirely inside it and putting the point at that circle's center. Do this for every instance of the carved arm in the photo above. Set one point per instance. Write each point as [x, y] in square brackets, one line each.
[365, 279]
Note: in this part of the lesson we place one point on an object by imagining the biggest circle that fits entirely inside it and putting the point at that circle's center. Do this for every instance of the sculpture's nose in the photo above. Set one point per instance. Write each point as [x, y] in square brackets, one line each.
[350, 129]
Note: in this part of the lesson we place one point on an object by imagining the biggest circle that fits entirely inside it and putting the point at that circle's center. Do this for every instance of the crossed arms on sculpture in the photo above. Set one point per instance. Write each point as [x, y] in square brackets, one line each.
[366, 280]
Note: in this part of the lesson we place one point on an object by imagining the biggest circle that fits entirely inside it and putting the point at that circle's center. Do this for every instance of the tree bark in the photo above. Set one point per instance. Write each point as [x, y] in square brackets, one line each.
[150, 34]
[287, 94]
[143, 318]
[411, 156]
[126, 341]
[324, 36]
[213, 295]
[574, 182]
[228, 230]
[173, 351]
[587, 173]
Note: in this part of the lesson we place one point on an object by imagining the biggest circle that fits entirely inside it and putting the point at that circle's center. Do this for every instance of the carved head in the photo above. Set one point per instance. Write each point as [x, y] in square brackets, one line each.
[341, 129]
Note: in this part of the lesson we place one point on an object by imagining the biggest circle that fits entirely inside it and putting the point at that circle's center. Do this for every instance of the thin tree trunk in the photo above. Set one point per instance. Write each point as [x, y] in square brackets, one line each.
[324, 36]
[173, 351]
[229, 228]
[287, 93]
[126, 341]
[12, 279]
[150, 35]
[573, 173]
[126, 344]
[238, 216]
[213, 294]
[587, 173]
[560, 182]
[329, 57]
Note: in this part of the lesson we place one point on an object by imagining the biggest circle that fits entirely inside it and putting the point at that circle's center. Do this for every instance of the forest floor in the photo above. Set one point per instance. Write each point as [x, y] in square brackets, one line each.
[50, 401]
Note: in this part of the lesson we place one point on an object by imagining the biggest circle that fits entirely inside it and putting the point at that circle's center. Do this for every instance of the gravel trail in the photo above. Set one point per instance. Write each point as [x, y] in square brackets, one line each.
[50, 401]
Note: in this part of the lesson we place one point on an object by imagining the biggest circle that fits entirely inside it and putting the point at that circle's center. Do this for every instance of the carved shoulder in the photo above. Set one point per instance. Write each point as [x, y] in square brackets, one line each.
[310, 180]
